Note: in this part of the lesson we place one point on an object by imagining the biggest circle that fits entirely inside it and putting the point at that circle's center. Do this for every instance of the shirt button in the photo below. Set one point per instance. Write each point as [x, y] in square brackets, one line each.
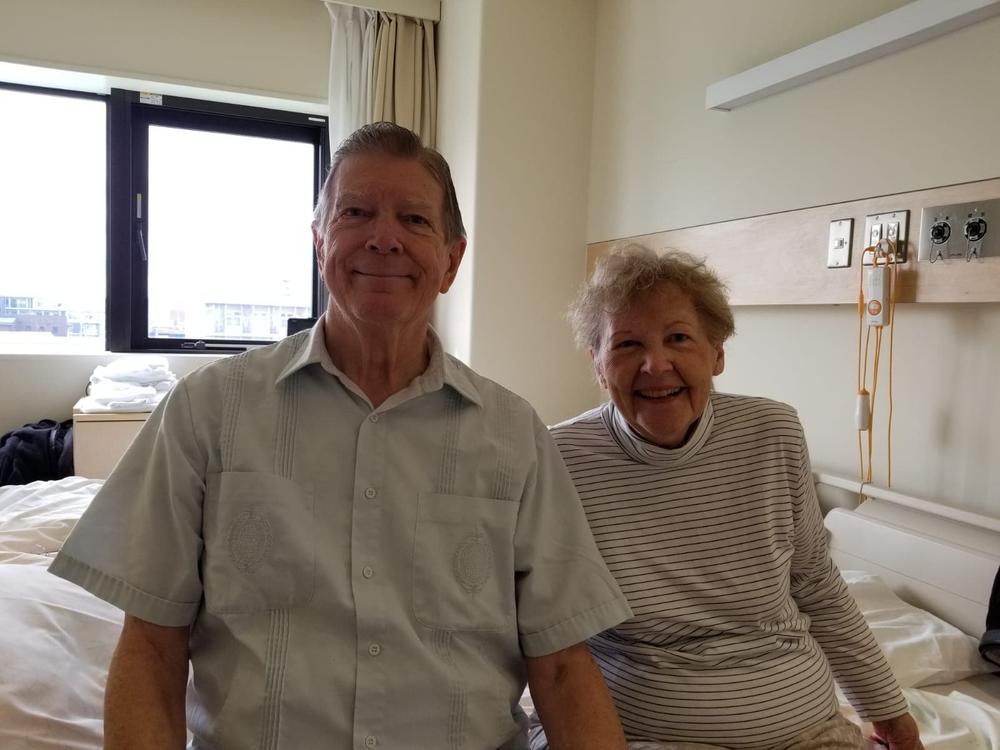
[370, 493]
[374, 649]
[370, 741]
[367, 571]
[373, 417]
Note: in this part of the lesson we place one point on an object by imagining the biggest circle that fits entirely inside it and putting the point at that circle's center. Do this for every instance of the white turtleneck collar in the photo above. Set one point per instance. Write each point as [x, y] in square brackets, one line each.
[643, 451]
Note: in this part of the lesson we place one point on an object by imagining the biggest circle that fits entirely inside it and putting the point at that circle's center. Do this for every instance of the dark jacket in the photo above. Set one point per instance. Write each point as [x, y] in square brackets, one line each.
[41, 450]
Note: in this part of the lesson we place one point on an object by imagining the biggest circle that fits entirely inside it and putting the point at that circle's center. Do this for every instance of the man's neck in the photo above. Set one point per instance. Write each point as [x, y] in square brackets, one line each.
[380, 360]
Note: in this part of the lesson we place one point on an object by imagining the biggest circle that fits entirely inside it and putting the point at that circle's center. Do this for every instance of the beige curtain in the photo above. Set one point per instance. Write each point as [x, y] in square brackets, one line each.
[352, 58]
[382, 67]
[404, 87]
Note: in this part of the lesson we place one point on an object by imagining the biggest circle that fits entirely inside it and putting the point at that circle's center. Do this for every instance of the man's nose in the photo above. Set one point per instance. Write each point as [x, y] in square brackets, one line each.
[385, 235]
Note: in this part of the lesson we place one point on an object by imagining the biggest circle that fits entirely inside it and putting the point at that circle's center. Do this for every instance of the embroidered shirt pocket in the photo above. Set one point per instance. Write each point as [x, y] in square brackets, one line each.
[259, 543]
[463, 562]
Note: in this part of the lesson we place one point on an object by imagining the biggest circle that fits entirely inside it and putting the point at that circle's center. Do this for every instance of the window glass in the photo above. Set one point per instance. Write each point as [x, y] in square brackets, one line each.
[227, 236]
[52, 222]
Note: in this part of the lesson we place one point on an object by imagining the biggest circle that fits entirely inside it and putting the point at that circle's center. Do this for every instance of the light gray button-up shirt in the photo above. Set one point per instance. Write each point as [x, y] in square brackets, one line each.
[353, 578]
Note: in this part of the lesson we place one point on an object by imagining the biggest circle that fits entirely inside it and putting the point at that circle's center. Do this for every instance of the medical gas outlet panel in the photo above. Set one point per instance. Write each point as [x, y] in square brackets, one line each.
[963, 231]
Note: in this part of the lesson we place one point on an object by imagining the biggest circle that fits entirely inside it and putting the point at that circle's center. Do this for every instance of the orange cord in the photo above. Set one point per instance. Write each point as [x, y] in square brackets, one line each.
[871, 421]
[862, 369]
[892, 332]
[893, 267]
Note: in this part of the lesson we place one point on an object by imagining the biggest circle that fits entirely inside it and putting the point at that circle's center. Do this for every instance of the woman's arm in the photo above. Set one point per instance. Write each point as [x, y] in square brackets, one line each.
[836, 623]
[144, 700]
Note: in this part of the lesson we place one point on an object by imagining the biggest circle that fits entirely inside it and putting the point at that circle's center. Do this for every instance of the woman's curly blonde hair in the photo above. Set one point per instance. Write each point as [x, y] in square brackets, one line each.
[629, 272]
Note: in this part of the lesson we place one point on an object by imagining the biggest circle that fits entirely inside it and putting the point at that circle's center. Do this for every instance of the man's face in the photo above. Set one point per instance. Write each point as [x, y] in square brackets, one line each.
[383, 253]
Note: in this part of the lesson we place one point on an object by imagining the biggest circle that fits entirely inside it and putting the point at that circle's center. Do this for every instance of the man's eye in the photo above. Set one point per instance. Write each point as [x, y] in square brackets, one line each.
[416, 219]
[351, 212]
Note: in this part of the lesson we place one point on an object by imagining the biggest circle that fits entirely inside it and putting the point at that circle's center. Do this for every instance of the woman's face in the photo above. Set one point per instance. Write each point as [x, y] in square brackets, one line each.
[656, 362]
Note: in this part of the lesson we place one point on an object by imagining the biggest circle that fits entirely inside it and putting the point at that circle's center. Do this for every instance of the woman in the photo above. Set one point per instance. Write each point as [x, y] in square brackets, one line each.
[703, 506]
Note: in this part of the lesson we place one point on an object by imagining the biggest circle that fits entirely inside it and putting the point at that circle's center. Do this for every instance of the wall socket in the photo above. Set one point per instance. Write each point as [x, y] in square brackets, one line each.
[838, 250]
[963, 231]
[889, 225]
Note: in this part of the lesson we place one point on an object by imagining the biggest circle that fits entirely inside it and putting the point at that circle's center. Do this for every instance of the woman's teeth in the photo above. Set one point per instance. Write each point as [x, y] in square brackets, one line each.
[663, 393]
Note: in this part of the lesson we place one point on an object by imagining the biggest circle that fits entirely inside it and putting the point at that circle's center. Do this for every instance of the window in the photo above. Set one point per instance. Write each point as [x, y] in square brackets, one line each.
[136, 222]
[52, 230]
[210, 221]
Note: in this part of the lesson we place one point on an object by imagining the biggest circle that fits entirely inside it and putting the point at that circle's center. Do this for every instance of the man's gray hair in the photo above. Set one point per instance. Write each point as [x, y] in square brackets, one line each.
[394, 140]
[628, 273]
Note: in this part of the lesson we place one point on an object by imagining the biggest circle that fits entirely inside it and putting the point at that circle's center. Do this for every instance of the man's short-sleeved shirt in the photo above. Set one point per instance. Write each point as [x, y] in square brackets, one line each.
[352, 577]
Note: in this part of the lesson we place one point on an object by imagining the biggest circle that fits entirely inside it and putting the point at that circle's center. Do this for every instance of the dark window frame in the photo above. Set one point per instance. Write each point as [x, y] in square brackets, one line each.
[48, 91]
[129, 118]
[126, 310]
[74, 94]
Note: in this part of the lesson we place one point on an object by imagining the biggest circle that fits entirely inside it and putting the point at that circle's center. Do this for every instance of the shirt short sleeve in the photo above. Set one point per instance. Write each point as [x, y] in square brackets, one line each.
[139, 543]
[565, 593]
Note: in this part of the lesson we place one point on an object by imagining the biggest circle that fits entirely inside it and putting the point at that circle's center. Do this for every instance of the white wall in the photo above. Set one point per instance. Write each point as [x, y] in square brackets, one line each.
[264, 47]
[531, 131]
[45, 386]
[458, 57]
[660, 161]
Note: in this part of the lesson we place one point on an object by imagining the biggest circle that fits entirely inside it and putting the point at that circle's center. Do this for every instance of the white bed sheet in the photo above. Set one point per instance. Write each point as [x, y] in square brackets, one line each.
[55, 649]
[57, 639]
[960, 716]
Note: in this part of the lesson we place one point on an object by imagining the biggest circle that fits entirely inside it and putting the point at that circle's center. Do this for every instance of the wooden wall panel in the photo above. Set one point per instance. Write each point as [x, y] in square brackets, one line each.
[780, 259]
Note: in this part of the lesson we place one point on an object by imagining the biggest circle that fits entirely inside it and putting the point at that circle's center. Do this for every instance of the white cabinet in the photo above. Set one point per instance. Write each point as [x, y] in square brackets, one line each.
[99, 440]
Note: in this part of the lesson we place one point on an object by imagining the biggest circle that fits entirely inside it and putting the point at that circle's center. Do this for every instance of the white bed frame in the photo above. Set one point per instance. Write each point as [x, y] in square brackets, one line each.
[938, 558]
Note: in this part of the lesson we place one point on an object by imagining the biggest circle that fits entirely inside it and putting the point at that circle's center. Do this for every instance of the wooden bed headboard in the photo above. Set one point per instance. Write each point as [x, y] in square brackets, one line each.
[781, 258]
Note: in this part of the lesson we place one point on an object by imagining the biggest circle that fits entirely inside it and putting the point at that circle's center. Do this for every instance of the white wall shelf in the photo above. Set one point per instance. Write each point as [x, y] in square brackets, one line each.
[904, 27]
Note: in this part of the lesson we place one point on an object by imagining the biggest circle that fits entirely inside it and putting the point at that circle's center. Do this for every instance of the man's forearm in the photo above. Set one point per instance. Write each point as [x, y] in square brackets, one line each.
[573, 702]
[144, 700]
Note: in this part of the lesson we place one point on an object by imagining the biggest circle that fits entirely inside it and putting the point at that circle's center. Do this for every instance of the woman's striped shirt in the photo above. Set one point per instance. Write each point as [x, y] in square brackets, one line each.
[719, 546]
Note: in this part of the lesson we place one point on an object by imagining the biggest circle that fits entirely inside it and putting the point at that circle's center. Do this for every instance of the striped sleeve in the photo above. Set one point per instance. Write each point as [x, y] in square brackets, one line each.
[837, 624]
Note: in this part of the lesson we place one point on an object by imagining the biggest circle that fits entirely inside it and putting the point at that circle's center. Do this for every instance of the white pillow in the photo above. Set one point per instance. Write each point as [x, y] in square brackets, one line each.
[922, 649]
[36, 518]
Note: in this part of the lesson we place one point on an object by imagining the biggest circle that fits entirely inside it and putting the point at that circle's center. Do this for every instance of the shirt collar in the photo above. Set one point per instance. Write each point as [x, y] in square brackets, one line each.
[312, 352]
[441, 370]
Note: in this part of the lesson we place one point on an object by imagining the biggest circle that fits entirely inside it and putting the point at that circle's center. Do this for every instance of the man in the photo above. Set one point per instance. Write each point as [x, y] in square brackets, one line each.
[355, 540]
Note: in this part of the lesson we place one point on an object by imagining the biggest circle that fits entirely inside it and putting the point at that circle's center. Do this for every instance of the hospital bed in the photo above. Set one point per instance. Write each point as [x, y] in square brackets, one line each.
[922, 574]
[56, 640]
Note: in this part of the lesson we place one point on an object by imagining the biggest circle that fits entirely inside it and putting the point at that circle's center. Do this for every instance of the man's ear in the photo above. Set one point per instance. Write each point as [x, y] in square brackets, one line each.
[455, 254]
[318, 245]
[597, 368]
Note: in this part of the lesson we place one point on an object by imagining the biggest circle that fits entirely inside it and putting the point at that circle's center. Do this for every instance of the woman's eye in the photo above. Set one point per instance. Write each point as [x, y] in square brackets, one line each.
[351, 212]
[625, 344]
[678, 338]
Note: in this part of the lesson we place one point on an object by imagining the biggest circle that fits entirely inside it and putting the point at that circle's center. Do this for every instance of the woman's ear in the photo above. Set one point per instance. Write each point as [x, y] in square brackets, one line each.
[595, 359]
[720, 360]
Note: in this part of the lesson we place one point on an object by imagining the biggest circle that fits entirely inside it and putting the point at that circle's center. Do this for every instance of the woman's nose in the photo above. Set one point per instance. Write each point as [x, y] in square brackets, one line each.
[657, 361]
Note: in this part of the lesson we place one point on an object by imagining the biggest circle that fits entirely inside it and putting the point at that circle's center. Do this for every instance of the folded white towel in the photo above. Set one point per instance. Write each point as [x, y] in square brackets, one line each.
[134, 383]
[139, 368]
[89, 405]
[102, 385]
